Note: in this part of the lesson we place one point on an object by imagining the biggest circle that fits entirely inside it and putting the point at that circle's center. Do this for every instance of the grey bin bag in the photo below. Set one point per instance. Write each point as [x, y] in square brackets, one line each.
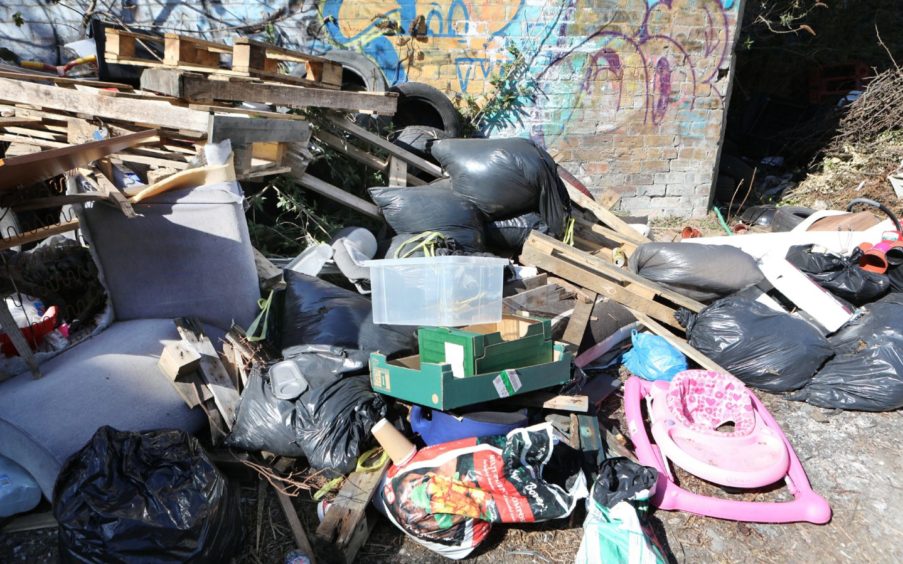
[702, 272]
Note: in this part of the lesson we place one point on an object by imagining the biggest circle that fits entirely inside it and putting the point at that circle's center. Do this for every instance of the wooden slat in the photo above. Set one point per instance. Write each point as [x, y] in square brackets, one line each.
[242, 130]
[398, 172]
[390, 148]
[211, 368]
[33, 76]
[550, 400]
[138, 111]
[38, 234]
[294, 523]
[579, 320]
[606, 198]
[608, 218]
[360, 155]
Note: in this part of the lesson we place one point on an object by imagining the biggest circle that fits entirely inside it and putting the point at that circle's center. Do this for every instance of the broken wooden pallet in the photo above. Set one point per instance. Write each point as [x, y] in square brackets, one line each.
[599, 276]
[196, 87]
[244, 58]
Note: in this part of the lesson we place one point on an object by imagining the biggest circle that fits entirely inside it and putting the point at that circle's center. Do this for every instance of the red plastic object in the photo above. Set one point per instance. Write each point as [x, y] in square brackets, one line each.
[34, 334]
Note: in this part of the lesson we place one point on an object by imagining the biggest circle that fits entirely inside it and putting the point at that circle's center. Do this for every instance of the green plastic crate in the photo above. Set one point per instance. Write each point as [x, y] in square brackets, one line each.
[435, 385]
[513, 342]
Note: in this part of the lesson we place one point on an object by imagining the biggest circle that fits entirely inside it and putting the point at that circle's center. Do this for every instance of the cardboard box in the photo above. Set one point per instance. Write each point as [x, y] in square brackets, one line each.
[435, 385]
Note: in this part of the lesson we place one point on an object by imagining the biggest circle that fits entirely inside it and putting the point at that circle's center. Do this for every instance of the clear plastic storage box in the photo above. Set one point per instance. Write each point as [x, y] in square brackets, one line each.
[441, 291]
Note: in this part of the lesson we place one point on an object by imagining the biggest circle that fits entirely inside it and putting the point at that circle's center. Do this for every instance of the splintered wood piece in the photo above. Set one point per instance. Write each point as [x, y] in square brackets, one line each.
[604, 215]
[179, 359]
[551, 401]
[346, 524]
[211, 368]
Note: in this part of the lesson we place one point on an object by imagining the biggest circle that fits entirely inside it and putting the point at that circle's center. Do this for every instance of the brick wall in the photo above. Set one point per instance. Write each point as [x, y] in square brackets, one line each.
[631, 93]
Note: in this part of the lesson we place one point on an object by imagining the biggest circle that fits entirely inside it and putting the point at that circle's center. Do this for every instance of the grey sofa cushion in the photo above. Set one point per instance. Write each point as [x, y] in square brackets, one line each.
[188, 254]
[109, 379]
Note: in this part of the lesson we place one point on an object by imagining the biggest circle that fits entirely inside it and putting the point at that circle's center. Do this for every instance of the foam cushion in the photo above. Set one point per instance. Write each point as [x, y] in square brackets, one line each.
[109, 379]
[188, 254]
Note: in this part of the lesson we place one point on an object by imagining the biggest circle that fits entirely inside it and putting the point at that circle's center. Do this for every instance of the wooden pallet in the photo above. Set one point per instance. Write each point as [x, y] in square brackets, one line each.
[245, 58]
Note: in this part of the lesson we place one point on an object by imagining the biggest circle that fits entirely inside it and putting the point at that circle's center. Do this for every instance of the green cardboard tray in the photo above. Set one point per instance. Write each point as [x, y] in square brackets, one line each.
[435, 385]
[513, 342]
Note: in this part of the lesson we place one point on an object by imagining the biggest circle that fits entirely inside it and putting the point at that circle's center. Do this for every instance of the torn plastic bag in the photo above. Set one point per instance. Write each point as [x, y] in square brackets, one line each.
[449, 494]
[867, 373]
[766, 349]
[511, 233]
[506, 177]
[653, 358]
[840, 276]
[615, 528]
[145, 497]
[702, 272]
[333, 421]
[431, 208]
[319, 313]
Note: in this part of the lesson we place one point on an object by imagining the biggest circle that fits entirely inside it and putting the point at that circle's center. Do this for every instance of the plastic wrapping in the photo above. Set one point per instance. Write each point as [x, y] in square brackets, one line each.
[448, 495]
[766, 349]
[653, 358]
[702, 272]
[616, 529]
[867, 373]
[840, 276]
[511, 233]
[506, 177]
[333, 421]
[263, 421]
[145, 497]
[319, 313]
[431, 208]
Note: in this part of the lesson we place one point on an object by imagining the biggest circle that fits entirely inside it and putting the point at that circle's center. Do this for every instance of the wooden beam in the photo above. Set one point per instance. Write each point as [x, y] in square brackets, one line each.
[242, 130]
[579, 321]
[196, 87]
[211, 368]
[33, 76]
[294, 523]
[345, 524]
[160, 114]
[27, 169]
[607, 198]
[604, 215]
[390, 148]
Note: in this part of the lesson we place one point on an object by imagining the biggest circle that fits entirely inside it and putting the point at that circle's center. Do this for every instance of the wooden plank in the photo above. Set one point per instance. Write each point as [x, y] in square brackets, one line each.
[11, 328]
[555, 246]
[390, 148]
[60, 80]
[604, 215]
[195, 87]
[38, 234]
[337, 194]
[606, 198]
[576, 327]
[606, 233]
[211, 368]
[360, 155]
[592, 281]
[242, 130]
[106, 187]
[27, 169]
[345, 524]
[270, 275]
[398, 172]
[680, 344]
[294, 523]
[156, 113]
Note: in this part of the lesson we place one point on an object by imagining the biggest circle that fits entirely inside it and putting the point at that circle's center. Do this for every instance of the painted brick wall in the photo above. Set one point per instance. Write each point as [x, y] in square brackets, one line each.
[632, 93]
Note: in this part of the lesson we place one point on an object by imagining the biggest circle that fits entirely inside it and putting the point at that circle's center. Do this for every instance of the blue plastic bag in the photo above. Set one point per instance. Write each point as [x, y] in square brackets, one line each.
[653, 358]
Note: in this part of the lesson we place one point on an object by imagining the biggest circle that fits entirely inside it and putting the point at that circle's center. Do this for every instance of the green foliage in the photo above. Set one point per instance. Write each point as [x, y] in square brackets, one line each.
[503, 105]
[18, 19]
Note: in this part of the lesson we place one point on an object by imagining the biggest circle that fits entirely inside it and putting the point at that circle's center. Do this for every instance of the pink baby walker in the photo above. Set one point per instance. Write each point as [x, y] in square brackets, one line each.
[685, 415]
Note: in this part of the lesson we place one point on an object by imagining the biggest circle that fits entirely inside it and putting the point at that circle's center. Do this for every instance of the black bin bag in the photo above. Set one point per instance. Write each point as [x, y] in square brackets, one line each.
[431, 208]
[506, 177]
[263, 421]
[840, 275]
[145, 497]
[512, 233]
[702, 272]
[867, 373]
[766, 349]
[319, 313]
